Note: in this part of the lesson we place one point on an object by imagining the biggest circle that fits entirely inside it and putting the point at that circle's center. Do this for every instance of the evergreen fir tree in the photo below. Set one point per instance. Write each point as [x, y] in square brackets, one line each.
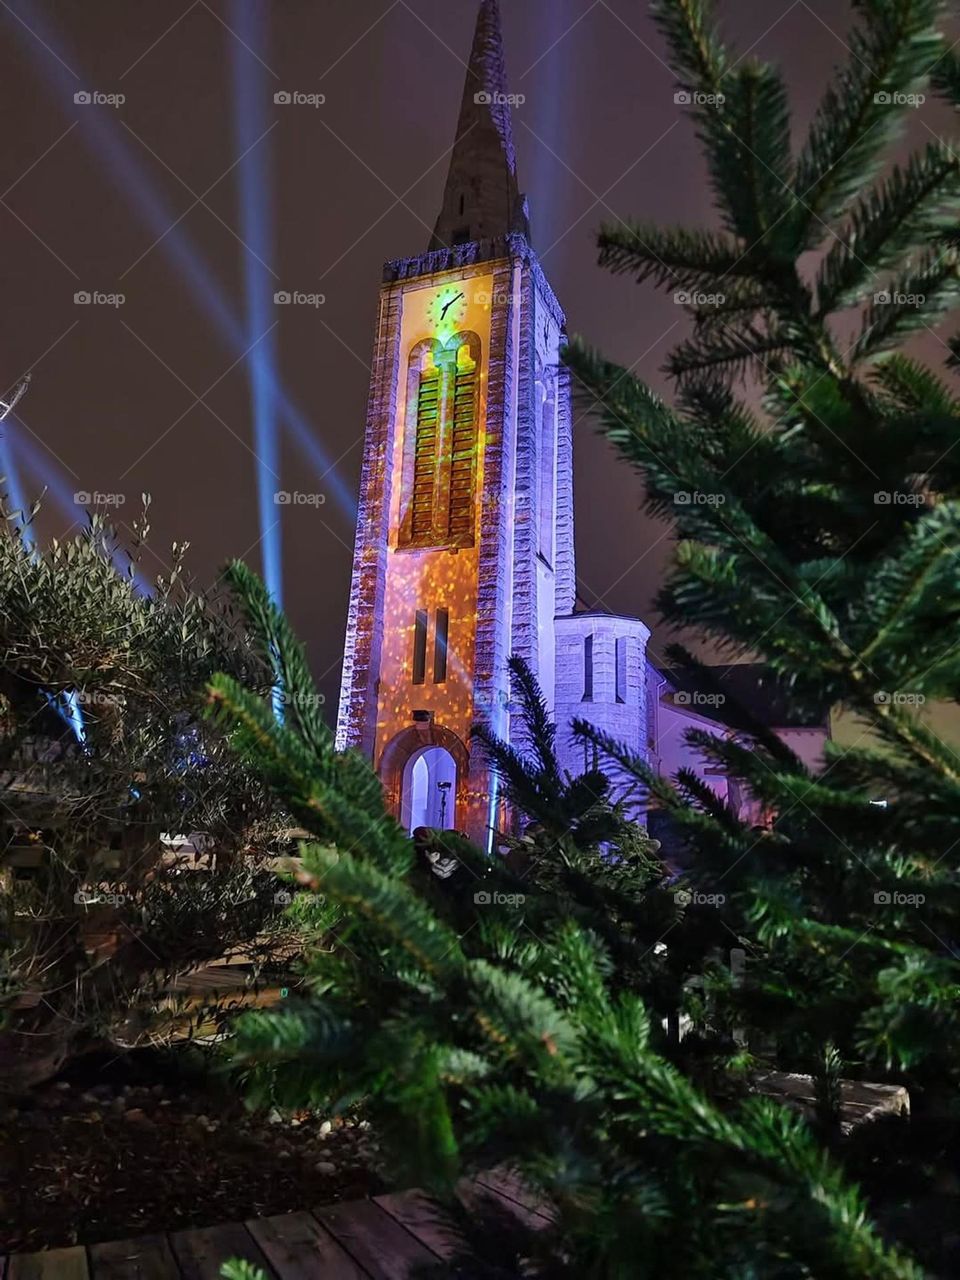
[530, 1037]
[829, 549]
[481, 1021]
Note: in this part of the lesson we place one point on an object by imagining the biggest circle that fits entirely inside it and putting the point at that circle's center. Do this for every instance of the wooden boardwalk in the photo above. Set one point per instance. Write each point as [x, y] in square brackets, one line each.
[391, 1237]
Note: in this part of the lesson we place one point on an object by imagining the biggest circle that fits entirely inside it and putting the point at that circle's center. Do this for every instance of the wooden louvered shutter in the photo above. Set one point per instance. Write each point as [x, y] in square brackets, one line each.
[463, 452]
[425, 455]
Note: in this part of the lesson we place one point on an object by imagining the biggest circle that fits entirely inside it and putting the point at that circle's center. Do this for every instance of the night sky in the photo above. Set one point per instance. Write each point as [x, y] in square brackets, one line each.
[156, 394]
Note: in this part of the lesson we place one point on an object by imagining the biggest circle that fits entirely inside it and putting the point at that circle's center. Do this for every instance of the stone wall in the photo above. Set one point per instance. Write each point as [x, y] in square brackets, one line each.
[356, 721]
[617, 702]
[517, 592]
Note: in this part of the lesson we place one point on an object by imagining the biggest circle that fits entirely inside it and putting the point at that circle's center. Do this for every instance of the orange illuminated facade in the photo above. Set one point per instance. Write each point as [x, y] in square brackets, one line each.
[465, 550]
[468, 412]
[430, 598]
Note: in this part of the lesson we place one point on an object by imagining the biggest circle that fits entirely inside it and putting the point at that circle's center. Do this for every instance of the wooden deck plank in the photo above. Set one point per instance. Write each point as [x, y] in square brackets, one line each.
[391, 1237]
[426, 1220]
[145, 1258]
[382, 1247]
[50, 1264]
[201, 1253]
[860, 1100]
[506, 1183]
[474, 1194]
[299, 1248]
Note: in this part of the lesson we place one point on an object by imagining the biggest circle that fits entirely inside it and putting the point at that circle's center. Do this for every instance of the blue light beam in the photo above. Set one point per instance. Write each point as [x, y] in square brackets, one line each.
[250, 91]
[39, 465]
[110, 147]
[14, 491]
[253, 181]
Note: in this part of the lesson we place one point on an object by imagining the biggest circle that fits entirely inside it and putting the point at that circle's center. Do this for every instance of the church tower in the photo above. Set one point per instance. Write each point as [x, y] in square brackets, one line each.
[464, 552]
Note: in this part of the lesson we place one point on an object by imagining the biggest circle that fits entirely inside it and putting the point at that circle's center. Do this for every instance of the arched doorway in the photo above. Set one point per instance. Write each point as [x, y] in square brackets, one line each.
[412, 766]
[428, 790]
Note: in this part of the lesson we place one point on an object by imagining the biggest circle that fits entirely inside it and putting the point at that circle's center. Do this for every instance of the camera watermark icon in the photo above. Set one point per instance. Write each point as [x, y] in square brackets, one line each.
[496, 298]
[296, 298]
[94, 498]
[694, 98]
[898, 698]
[893, 898]
[694, 898]
[86, 298]
[294, 98]
[488, 898]
[694, 298]
[694, 498]
[887, 297]
[94, 98]
[95, 698]
[498, 99]
[497, 698]
[897, 498]
[284, 898]
[94, 898]
[886, 98]
[302, 699]
[286, 498]
[694, 698]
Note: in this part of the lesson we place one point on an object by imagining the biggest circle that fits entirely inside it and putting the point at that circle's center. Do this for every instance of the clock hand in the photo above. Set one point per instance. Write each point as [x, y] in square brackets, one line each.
[450, 304]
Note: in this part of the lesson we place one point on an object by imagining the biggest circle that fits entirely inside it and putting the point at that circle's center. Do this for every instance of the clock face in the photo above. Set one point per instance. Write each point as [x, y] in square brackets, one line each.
[448, 306]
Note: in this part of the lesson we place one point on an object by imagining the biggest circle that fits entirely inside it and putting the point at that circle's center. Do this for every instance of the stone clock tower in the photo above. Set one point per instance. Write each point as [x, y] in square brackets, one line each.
[464, 551]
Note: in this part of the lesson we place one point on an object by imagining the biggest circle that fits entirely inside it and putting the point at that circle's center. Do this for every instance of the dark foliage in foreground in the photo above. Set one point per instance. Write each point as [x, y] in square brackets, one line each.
[104, 751]
[819, 532]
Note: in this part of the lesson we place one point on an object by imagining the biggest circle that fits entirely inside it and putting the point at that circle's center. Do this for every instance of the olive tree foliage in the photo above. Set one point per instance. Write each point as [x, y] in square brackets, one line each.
[105, 764]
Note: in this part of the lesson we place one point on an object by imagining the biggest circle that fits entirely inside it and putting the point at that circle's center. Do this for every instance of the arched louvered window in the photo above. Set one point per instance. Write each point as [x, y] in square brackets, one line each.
[463, 447]
[438, 499]
[426, 448]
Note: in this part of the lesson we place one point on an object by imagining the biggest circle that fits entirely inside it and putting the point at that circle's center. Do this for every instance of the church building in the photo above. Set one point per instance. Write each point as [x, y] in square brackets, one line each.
[465, 534]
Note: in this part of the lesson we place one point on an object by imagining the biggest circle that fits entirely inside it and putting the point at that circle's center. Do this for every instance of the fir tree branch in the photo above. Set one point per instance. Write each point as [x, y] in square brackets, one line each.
[672, 257]
[890, 54]
[916, 202]
[909, 302]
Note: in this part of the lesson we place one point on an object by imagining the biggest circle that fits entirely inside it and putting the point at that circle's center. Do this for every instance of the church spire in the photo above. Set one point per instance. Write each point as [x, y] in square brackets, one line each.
[482, 198]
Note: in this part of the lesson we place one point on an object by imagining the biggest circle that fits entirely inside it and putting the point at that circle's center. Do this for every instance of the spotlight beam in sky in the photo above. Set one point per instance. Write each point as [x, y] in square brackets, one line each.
[14, 489]
[253, 183]
[20, 445]
[108, 144]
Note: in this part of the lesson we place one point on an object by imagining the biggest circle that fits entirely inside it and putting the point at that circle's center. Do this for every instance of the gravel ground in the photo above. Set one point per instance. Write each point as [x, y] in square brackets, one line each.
[81, 1164]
